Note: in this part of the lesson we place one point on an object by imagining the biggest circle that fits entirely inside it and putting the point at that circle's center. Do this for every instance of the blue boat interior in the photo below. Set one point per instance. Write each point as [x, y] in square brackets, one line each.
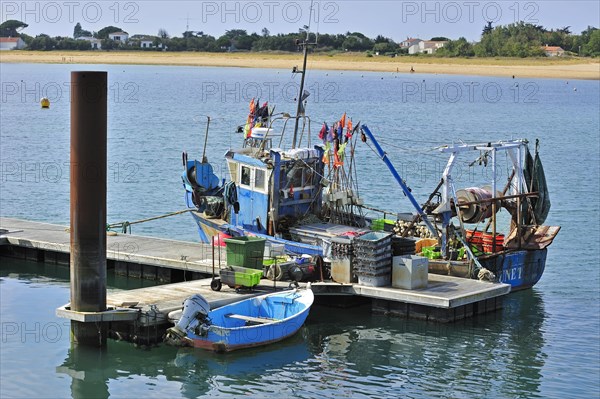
[274, 307]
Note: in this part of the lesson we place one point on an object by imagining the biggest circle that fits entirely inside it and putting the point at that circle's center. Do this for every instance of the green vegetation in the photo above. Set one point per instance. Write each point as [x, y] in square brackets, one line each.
[524, 40]
[79, 32]
[45, 43]
[517, 40]
[11, 28]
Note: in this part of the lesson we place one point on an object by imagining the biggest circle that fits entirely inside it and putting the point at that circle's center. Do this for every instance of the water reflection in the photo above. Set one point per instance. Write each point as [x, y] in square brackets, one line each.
[93, 372]
[501, 352]
[46, 273]
[89, 370]
[242, 369]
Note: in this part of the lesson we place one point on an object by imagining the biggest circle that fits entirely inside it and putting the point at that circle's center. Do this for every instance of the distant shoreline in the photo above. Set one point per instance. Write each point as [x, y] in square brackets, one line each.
[556, 68]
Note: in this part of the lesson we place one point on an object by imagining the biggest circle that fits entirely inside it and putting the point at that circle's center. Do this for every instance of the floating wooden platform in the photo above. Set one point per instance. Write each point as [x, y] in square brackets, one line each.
[446, 299]
[125, 252]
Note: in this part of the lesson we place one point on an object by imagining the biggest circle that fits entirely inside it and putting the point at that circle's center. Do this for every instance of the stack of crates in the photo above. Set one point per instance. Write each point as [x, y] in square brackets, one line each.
[373, 259]
[342, 255]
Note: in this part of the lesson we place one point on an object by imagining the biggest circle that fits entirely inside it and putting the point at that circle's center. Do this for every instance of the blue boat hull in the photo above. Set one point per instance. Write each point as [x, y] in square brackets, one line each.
[286, 312]
[521, 269]
[208, 229]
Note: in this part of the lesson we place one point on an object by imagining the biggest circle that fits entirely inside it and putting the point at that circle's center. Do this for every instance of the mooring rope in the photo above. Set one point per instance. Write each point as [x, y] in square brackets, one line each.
[124, 226]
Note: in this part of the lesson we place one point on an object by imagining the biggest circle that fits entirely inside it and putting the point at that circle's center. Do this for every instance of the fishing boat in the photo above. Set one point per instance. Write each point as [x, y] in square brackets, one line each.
[248, 323]
[291, 191]
[280, 186]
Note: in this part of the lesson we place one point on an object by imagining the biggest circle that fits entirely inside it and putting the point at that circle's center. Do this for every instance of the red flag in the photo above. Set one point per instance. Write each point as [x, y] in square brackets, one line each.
[323, 131]
[343, 120]
[349, 129]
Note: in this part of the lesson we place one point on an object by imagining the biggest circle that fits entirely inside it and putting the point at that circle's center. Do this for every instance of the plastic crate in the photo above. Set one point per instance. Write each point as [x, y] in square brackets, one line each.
[373, 272]
[382, 224]
[373, 251]
[245, 251]
[234, 276]
[373, 262]
[273, 250]
[432, 253]
[341, 247]
[272, 261]
[403, 246]
[372, 240]
[375, 281]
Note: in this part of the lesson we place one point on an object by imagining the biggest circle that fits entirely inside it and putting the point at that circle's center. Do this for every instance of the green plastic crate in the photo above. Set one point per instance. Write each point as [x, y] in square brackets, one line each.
[240, 276]
[431, 253]
[245, 251]
[382, 224]
[272, 261]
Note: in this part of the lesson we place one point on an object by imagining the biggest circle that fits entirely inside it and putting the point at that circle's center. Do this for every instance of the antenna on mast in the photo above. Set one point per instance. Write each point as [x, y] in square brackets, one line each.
[187, 22]
[301, 93]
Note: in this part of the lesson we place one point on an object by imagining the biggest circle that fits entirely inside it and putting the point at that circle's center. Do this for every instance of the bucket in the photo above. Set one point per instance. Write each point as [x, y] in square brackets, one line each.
[488, 243]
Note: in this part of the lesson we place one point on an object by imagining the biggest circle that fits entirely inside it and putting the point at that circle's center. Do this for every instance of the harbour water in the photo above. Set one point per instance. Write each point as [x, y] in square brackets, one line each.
[544, 343]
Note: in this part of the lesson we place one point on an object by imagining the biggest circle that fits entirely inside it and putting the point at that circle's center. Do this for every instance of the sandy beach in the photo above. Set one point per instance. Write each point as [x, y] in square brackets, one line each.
[560, 68]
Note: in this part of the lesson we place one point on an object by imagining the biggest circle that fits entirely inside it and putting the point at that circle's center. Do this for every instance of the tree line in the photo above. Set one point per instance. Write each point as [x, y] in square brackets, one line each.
[513, 40]
[524, 40]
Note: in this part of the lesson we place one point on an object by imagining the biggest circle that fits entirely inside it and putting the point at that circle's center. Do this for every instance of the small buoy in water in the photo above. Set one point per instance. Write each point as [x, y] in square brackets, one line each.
[574, 88]
[45, 103]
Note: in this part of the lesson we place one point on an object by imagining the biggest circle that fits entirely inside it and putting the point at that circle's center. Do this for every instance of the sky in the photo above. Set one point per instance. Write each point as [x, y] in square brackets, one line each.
[391, 18]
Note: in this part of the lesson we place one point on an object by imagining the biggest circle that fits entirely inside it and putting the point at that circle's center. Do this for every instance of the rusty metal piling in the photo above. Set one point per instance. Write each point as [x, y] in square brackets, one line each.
[88, 203]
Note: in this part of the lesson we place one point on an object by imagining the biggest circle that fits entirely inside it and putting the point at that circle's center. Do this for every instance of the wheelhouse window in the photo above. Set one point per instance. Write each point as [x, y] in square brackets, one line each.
[245, 180]
[259, 178]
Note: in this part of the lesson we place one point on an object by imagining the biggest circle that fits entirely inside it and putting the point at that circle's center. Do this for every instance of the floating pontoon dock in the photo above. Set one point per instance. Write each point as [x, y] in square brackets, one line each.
[140, 315]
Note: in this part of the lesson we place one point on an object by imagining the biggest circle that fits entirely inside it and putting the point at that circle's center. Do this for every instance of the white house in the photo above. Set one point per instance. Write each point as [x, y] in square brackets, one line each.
[119, 36]
[410, 41]
[426, 47]
[95, 43]
[11, 43]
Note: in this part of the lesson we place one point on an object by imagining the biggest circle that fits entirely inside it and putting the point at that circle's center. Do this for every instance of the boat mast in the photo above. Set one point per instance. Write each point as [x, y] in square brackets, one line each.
[204, 159]
[300, 94]
[301, 97]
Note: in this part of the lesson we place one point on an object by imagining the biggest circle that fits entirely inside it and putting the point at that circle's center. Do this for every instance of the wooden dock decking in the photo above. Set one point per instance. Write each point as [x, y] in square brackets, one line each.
[149, 251]
[445, 299]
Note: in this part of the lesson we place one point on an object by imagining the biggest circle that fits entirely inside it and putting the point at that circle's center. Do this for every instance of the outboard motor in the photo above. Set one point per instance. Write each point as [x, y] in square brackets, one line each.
[194, 313]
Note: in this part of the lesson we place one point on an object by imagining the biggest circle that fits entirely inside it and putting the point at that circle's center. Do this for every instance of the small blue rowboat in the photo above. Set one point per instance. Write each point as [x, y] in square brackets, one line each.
[252, 322]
